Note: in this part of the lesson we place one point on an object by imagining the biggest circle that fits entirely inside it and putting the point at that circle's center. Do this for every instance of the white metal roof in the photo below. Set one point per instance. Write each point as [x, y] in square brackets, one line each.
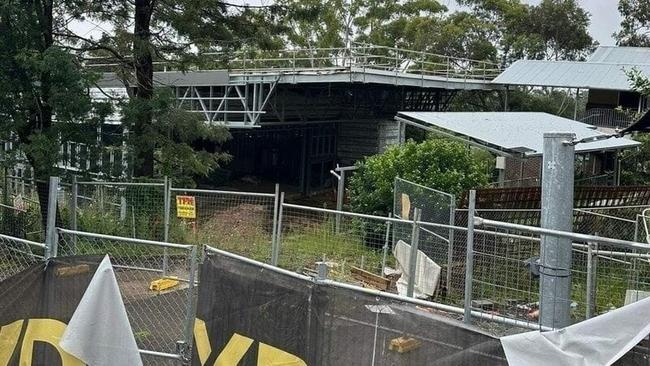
[569, 74]
[513, 133]
[615, 54]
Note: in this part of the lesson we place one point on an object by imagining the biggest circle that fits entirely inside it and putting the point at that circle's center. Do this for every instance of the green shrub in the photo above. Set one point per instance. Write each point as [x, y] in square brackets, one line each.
[436, 163]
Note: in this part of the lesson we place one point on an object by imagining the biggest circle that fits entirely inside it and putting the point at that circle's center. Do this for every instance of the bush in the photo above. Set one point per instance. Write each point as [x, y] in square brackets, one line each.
[436, 163]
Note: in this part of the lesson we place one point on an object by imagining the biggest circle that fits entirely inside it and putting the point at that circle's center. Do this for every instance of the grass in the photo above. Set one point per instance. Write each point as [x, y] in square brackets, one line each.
[303, 247]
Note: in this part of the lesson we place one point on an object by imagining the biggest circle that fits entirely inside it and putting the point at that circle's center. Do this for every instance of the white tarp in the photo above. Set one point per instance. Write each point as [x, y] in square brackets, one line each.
[427, 273]
[99, 332]
[598, 341]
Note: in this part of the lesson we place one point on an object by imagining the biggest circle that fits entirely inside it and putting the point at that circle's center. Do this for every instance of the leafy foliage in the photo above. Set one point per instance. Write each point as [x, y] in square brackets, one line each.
[635, 164]
[184, 144]
[635, 23]
[436, 163]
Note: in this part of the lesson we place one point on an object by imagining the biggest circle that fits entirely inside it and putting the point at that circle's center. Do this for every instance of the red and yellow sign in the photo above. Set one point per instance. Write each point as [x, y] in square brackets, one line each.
[186, 207]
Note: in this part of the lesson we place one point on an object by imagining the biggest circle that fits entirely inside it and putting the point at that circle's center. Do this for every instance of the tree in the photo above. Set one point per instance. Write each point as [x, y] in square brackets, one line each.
[44, 98]
[552, 30]
[149, 31]
[436, 163]
[635, 163]
[635, 26]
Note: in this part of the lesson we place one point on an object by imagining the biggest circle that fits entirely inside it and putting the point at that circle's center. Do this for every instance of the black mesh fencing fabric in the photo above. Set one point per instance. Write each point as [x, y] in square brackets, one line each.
[258, 316]
[35, 306]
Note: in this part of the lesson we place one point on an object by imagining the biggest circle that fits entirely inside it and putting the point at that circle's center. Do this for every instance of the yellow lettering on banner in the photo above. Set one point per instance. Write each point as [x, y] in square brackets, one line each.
[271, 356]
[201, 341]
[237, 347]
[49, 331]
[9, 335]
[234, 351]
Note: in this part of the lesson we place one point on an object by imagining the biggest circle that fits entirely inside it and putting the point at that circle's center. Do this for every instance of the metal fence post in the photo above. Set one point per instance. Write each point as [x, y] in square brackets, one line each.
[591, 279]
[557, 214]
[386, 244]
[415, 238]
[73, 211]
[469, 261]
[189, 310]
[50, 229]
[166, 207]
[340, 194]
[274, 238]
[275, 251]
[450, 249]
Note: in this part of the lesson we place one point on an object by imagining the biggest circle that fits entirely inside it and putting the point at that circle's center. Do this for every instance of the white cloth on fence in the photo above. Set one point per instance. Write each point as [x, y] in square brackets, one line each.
[598, 341]
[427, 272]
[99, 332]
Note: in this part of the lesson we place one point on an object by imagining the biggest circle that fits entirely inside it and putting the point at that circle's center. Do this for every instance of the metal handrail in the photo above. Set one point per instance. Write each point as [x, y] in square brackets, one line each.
[357, 55]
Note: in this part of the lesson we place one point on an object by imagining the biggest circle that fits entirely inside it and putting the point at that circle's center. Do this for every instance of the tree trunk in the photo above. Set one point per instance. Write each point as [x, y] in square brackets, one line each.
[41, 114]
[143, 60]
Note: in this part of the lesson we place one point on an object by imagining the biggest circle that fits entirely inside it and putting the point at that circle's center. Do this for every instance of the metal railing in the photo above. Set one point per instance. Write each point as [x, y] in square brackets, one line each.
[358, 56]
[608, 118]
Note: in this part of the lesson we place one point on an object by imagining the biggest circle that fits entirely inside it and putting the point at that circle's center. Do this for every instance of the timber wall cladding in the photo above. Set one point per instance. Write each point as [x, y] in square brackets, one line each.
[357, 140]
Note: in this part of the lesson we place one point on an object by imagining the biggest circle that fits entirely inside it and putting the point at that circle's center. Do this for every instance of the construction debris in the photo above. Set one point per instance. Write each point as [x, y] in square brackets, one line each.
[370, 279]
[163, 284]
[404, 344]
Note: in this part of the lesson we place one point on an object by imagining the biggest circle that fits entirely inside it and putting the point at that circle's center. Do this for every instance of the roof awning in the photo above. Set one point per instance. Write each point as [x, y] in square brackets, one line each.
[570, 74]
[518, 134]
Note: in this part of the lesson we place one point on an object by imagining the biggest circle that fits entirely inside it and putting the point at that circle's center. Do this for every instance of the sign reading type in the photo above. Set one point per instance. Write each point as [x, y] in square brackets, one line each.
[186, 207]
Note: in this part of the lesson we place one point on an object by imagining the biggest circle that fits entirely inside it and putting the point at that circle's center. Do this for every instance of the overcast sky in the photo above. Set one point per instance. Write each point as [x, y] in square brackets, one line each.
[605, 18]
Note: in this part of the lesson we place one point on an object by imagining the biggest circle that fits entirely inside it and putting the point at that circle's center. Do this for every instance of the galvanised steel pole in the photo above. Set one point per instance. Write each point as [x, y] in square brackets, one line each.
[469, 259]
[73, 212]
[50, 228]
[413, 255]
[557, 214]
[167, 208]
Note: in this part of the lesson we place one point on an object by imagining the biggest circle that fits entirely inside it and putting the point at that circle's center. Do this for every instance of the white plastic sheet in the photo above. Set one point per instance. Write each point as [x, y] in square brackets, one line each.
[598, 341]
[427, 272]
[99, 332]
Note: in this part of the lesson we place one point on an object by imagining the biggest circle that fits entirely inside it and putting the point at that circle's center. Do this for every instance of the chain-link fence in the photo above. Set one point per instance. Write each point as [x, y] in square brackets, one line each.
[157, 283]
[17, 254]
[135, 210]
[20, 211]
[240, 222]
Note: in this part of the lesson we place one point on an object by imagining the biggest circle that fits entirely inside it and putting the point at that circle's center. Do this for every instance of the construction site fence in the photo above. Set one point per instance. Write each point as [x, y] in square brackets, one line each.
[360, 249]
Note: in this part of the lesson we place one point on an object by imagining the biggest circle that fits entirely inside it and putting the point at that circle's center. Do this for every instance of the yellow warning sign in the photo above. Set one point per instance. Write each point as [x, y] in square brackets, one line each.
[186, 207]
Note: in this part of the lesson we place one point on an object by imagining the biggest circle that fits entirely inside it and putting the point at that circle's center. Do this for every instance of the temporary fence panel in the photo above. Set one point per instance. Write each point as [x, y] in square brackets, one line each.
[16, 254]
[157, 282]
[435, 207]
[135, 210]
[283, 318]
[20, 214]
[240, 222]
[505, 274]
[359, 242]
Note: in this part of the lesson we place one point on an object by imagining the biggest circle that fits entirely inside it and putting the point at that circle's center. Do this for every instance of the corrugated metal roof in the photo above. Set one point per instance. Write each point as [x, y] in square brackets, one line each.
[569, 74]
[627, 55]
[514, 132]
